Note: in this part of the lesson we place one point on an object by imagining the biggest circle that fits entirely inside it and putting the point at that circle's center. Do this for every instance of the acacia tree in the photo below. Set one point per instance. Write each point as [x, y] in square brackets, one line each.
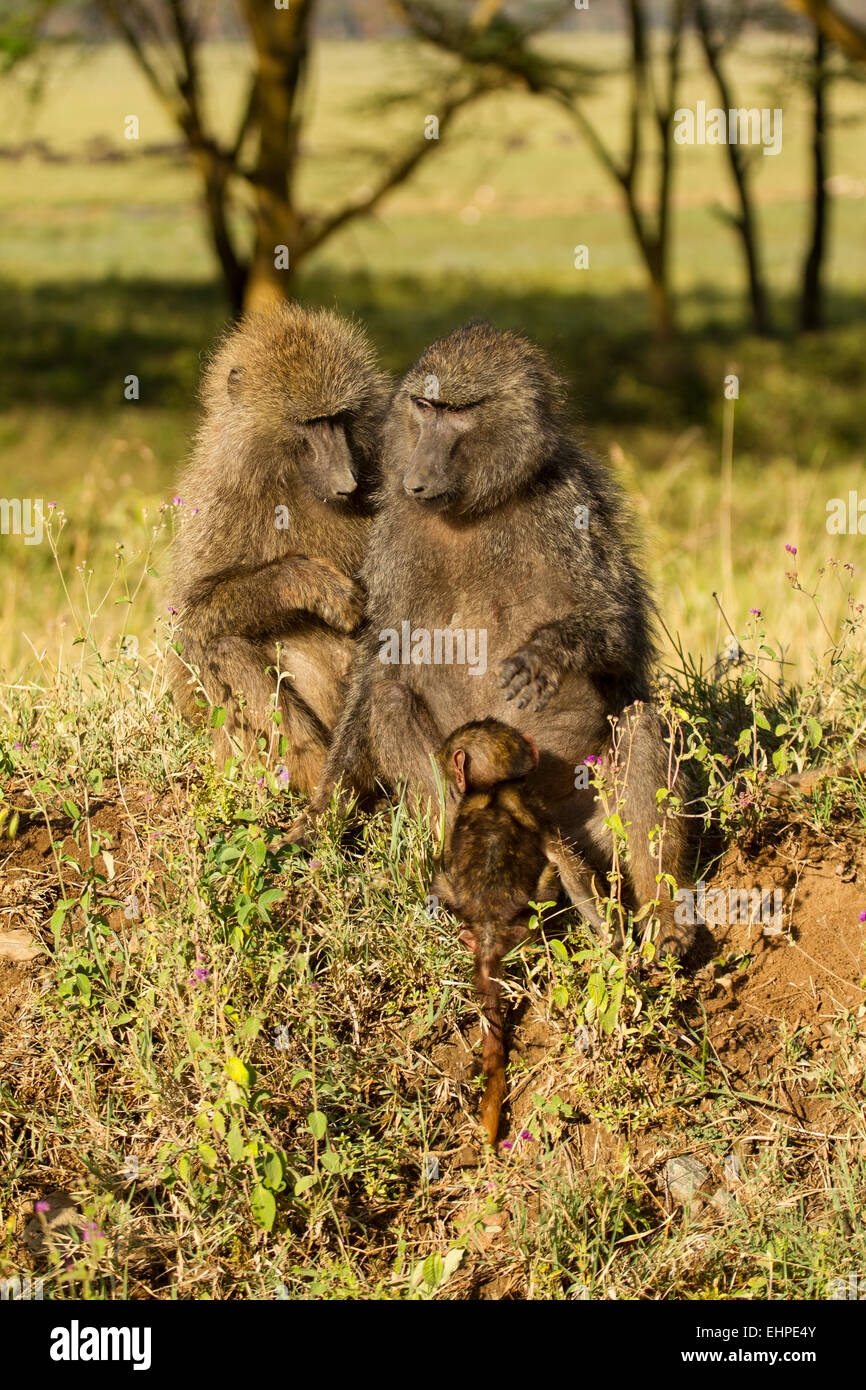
[744, 221]
[812, 296]
[494, 42]
[264, 154]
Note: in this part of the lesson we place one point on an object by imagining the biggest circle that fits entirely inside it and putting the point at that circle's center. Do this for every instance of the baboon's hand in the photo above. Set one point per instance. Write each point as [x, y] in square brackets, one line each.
[341, 602]
[530, 675]
[300, 833]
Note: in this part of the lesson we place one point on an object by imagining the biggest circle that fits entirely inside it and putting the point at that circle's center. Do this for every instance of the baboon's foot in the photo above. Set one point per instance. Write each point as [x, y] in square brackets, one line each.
[675, 939]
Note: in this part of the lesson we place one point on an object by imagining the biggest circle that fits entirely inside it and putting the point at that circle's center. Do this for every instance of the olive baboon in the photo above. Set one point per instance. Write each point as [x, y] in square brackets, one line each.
[495, 527]
[500, 855]
[276, 520]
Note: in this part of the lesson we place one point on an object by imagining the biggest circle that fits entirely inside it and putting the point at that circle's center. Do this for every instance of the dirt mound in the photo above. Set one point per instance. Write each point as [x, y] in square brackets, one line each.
[798, 964]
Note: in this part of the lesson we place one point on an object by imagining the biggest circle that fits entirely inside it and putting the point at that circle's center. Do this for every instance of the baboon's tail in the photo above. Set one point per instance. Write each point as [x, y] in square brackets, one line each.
[780, 788]
[489, 991]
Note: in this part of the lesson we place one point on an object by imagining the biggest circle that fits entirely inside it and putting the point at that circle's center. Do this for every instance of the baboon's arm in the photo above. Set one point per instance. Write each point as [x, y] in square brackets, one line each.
[251, 601]
[579, 641]
[351, 760]
[574, 877]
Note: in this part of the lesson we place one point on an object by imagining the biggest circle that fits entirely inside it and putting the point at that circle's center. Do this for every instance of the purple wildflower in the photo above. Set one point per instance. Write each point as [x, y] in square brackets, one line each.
[173, 611]
[791, 549]
[314, 863]
[506, 1144]
[178, 501]
[524, 1134]
[755, 612]
[862, 917]
[42, 1206]
[201, 972]
[90, 1231]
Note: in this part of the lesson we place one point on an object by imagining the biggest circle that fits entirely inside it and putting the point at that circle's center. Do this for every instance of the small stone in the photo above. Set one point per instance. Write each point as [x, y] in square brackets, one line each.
[722, 1200]
[683, 1177]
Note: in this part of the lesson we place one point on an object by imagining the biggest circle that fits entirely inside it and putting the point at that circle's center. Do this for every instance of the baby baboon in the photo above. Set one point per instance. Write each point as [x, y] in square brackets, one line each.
[500, 855]
[276, 520]
[499, 537]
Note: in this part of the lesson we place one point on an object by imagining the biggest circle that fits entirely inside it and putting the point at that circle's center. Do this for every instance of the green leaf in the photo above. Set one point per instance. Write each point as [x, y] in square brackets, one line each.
[331, 1161]
[235, 1144]
[83, 983]
[273, 895]
[304, 1184]
[780, 761]
[274, 1172]
[263, 1207]
[762, 721]
[560, 996]
[256, 851]
[816, 733]
[217, 717]
[318, 1124]
[237, 1072]
[208, 1155]
[70, 809]
[558, 949]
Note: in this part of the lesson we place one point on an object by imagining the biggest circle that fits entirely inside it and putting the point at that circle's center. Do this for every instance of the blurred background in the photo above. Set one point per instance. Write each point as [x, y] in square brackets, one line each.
[166, 163]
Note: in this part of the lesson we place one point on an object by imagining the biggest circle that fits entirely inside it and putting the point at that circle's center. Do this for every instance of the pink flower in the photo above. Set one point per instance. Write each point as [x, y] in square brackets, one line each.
[791, 549]
[42, 1206]
[862, 917]
[506, 1144]
[178, 501]
[756, 612]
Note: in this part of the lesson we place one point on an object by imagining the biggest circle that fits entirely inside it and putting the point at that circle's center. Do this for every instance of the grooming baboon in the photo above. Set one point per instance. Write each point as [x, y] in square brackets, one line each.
[493, 520]
[500, 854]
[275, 523]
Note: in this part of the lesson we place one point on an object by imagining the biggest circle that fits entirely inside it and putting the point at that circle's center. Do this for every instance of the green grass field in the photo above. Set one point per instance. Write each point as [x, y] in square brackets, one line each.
[237, 1061]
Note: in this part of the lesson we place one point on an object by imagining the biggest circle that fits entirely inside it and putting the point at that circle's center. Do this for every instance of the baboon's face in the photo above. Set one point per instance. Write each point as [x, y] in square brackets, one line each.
[302, 388]
[432, 475]
[472, 422]
[319, 448]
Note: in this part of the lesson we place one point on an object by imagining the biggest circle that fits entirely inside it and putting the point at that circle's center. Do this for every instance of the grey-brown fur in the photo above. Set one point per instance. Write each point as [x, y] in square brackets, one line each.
[477, 530]
[500, 855]
[293, 400]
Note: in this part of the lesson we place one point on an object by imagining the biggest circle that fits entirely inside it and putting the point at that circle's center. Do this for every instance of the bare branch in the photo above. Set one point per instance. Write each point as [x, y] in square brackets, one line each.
[839, 28]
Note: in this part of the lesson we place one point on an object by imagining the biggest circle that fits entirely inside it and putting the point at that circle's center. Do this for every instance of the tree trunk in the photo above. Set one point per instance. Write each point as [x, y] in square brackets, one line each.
[745, 223]
[281, 41]
[812, 300]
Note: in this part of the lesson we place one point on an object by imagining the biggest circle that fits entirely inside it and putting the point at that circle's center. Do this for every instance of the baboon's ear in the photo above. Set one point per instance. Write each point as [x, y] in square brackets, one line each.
[468, 939]
[233, 380]
[459, 761]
